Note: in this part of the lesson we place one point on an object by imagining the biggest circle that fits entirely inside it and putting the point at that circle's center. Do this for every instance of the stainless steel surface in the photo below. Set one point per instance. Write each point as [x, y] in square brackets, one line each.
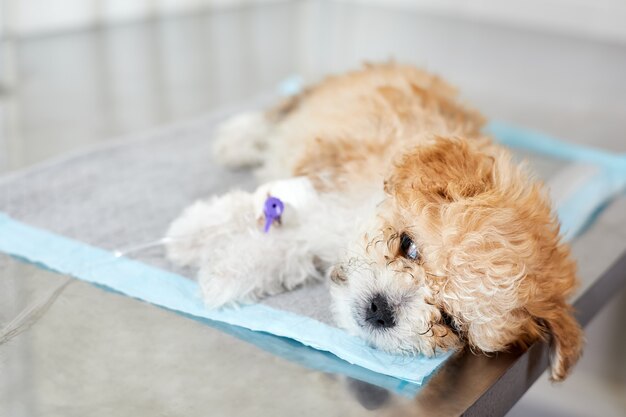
[99, 353]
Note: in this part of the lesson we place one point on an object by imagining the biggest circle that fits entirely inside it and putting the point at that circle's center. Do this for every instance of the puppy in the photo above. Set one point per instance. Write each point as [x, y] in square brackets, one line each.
[431, 236]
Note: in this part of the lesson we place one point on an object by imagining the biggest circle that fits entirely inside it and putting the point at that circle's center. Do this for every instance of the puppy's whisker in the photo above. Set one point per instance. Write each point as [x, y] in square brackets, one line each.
[430, 327]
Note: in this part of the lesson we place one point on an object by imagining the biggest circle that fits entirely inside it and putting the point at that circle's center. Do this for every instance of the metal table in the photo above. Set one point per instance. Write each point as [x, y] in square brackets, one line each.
[97, 353]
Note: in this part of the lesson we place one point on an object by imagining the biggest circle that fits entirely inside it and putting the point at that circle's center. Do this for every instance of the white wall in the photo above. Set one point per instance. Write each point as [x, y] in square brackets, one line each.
[36, 17]
[601, 19]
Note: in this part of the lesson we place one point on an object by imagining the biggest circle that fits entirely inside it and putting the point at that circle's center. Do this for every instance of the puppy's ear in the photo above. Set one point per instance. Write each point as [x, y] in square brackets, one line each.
[552, 282]
[567, 337]
[445, 171]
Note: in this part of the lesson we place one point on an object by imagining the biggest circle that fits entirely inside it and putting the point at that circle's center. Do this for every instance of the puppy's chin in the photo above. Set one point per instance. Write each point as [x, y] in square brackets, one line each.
[412, 332]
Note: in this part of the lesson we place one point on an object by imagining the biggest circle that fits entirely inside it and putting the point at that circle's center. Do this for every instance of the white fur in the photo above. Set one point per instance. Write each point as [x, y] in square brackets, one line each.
[223, 237]
[351, 298]
[204, 222]
[241, 141]
[238, 262]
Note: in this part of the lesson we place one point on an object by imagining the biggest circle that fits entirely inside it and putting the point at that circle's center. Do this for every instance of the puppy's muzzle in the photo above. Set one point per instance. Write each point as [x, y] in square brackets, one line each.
[379, 313]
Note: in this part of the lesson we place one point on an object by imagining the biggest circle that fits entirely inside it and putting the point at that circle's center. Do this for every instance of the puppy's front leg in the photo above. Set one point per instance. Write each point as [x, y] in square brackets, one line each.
[238, 260]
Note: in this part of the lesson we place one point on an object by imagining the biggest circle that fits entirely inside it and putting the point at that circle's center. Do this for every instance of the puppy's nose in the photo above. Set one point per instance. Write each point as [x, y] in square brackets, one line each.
[379, 313]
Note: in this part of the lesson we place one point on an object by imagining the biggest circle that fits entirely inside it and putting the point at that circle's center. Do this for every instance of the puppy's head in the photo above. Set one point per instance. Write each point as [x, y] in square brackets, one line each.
[464, 250]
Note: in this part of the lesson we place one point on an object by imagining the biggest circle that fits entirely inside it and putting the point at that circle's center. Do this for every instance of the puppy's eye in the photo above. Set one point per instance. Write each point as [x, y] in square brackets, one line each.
[408, 248]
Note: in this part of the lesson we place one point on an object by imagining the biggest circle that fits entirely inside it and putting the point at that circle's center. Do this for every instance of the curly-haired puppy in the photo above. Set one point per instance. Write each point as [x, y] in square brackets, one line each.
[432, 237]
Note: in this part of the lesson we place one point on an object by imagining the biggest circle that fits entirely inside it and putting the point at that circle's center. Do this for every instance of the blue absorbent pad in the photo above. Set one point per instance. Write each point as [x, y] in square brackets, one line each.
[71, 216]
[174, 292]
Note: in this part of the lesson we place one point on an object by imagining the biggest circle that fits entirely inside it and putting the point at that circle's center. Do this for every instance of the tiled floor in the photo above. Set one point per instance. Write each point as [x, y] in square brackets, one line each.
[71, 91]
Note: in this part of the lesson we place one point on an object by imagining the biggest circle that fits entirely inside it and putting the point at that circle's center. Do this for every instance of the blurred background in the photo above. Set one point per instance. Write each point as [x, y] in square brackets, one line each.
[75, 73]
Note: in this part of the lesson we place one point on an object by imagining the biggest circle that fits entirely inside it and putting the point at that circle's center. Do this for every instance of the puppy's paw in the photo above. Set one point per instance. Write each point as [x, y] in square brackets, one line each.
[244, 267]
[204, 224]
[222, 290]
[242, 140]
[249, 265]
